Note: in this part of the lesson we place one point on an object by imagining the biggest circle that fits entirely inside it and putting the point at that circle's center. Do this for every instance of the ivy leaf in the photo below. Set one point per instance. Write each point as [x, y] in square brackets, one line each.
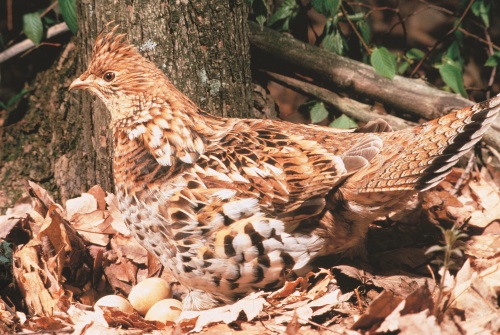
[334, 43]
[33, 27]
[343, 122]
[451, 73]
[329, 8]
[383, 62]
[68, 11]
[318, 112]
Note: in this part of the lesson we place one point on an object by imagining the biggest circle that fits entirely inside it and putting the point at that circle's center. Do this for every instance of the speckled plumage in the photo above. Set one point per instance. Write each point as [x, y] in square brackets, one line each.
[234, 205]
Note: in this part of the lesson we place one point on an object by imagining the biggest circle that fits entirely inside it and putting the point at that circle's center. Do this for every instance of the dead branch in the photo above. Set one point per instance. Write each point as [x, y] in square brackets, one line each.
[352, 108]
[357, 79]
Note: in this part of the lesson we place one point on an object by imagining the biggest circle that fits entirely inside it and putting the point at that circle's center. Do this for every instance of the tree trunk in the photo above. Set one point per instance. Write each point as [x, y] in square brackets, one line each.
[203, 48]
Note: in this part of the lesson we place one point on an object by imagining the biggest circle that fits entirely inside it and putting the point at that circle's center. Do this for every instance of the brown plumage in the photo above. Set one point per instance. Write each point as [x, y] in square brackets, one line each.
[234, 205]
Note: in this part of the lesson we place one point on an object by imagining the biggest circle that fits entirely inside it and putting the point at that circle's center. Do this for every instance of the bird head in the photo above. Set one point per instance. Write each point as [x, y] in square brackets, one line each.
[123, 79]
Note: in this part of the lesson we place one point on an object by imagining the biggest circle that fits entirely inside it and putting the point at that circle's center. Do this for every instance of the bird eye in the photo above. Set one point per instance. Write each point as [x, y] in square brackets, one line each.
[109, 76]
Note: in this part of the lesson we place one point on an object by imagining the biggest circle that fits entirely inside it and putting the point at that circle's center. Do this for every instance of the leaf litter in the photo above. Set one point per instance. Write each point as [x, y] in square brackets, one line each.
[66, 257]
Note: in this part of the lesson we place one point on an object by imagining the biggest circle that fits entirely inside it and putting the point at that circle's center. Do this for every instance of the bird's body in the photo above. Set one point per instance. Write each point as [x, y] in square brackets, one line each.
[235, 205]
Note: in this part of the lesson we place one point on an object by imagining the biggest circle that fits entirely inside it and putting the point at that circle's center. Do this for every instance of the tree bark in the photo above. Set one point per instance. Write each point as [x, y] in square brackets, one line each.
[203, 48]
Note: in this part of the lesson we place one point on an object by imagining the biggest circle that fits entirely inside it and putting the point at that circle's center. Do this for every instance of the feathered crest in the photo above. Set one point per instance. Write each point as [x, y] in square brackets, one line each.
[111, 48]
[110, 40]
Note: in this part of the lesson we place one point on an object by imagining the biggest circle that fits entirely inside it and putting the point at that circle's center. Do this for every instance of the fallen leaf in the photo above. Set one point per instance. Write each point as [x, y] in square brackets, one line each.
[422, 323]
[118, 223]
[474, 296]
[379, 309]
[288, 288]
[251, 305]
[86, 203]
[483, 246]
[100, 196]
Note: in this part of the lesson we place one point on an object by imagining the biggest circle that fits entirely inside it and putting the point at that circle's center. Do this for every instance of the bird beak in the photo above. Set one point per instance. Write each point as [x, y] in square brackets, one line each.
[78, 84]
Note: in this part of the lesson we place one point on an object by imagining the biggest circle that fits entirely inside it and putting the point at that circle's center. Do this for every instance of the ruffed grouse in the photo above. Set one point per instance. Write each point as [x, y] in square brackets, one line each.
[234, 205]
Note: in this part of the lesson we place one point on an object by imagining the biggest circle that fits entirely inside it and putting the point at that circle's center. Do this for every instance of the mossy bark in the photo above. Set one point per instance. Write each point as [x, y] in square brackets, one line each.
[63, 141]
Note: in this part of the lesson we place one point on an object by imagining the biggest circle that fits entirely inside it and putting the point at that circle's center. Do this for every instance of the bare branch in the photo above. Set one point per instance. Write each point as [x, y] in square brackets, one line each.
[21, 47]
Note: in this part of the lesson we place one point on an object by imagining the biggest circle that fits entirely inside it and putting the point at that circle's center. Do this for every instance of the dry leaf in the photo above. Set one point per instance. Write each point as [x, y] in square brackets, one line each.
[489, 198]
[397, 281]
[118, 223]
[41, 194]
[94, 226]
[378, 310]
[86, 203]
[483, 246]
[422, 323]
[251, 305]
[98, 193]
[288, 288]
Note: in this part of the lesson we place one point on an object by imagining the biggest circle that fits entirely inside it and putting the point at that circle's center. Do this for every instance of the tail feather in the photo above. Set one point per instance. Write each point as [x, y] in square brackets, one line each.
[420, 157]
[475, 125]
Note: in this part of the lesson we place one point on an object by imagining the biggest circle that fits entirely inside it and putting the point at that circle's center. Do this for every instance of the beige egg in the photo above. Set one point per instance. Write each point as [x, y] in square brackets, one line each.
[114, 301]
[164, 310]
[147, 293]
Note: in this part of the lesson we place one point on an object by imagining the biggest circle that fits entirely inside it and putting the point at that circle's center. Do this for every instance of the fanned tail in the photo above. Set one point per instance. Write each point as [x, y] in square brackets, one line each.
[421, 157]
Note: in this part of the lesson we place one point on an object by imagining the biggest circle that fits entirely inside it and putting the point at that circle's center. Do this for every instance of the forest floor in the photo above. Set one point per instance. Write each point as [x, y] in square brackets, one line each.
[60, 259]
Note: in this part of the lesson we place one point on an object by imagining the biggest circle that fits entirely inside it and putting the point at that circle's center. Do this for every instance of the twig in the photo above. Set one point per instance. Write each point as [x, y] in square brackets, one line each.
[26, 44]
[439, 41]
[10, 23]
[494, 152]
[465, 173]
[487, 42]
[401, 21]
[358, 297]
[48, 9]
[353, 27]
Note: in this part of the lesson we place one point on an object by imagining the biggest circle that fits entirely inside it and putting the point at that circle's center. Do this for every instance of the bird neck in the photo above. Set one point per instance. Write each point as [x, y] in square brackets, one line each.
[172, 129]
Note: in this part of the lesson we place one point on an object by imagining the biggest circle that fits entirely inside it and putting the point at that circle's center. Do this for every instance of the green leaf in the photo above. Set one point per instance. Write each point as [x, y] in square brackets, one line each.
[433, 249]
[318, 112]
[261, 19]
[68, 11]
[16, 97]
[383, 62]
[33, 27]
[2, 105]
[329, 8]
[493, 60]
[453, 52]
[364, 30]
[334, 43]
[482, 9]
[452, 75]
[415, 54]
[343, 122]
[260, 10]
[403, 67]
[283, 13]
